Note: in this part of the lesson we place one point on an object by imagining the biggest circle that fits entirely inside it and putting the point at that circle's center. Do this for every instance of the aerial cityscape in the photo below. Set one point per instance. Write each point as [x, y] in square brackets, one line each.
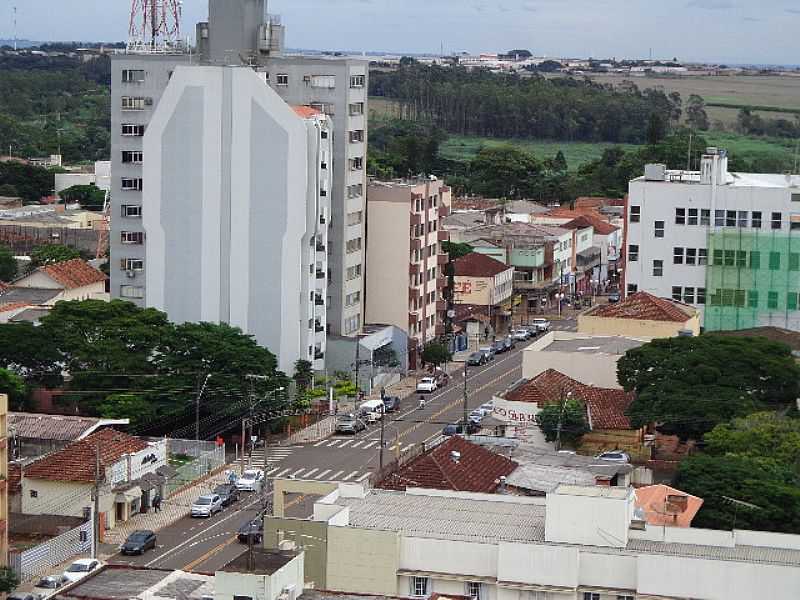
[362, 300]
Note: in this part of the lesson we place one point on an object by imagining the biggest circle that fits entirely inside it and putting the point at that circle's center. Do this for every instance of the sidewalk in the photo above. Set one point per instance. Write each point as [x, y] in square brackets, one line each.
[173, 508]
[408, 385]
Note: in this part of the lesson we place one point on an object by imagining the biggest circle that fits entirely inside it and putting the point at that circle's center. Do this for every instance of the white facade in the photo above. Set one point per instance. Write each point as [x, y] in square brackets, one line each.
[673, 216]
[101, 177]
[235, 218]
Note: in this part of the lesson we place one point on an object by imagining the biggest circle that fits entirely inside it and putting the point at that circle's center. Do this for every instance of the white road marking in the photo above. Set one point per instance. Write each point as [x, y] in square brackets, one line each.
[318, 444]
[363, 477]
[353, 474]
[311, 472]
[271, 471]
[357, 444]
[345, 443]
[334, 476]
[333, 443]
[321, 475]
[296, 473]
[370, 445]
[282, 473]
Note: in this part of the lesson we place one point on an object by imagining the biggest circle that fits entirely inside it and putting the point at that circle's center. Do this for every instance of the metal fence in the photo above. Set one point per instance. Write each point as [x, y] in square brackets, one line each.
[40, 559]
[204, 458]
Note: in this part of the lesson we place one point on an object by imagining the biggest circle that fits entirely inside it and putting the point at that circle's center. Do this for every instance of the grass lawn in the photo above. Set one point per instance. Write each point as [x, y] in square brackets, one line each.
[464, 148]
[750, 148]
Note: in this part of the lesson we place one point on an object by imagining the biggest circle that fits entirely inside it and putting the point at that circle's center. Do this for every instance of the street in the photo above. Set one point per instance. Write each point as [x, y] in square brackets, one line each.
[204, 545]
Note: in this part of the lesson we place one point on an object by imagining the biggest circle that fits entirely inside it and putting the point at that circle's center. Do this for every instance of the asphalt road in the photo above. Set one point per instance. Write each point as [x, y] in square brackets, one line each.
[204, 545]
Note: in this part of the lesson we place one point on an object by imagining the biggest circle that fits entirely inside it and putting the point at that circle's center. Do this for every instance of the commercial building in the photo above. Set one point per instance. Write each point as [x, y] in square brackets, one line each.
[5, 479]
[236, 211]
[726, 243]
[484, 282]
[404, 235]
[579, 542]
[641, 315]
[238, 33]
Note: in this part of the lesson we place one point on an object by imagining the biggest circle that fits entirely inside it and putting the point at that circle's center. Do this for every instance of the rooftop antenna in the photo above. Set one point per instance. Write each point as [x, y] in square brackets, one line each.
[15, 29]
[689, 153]
[796, 155]
[155, 26]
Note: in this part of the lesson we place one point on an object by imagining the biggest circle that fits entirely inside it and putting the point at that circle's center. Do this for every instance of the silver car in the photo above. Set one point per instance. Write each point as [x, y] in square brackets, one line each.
[206, 506]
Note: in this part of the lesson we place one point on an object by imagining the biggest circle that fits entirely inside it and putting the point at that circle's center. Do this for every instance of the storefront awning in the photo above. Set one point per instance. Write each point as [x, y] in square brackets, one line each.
[129, 495]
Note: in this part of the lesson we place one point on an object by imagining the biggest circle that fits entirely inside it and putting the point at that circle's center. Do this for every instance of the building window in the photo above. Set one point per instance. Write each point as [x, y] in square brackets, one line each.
[358, 81]
[794, 222]
[755, 220]
[323, 81]
[131, 184]
[730, 258]
[742, 221]
[676, 293]
[658, 227]
[701, 295]
[473, 590]
[131, 291]
[352, 299]
[355, 191]
[132, 264]
[795, 197]
[680, 216]
[752, 298]
[677, 256]
[692, 217]
[591, 596]
[354, 218]
[730, 218]
[129, 156]
[719, 218]
[235, 597]
[132, 237]
[632, 288]
[691, 256]
[619, 597]
[772, 300]
[132, 76]
[130, 129]
[658, 268]
[791, 301]
[34, 494]
[357, 163]
[705, 216]
[282, 79]
[718, 254]
[419, 586]
[702, 256]
[755, 260]
[357, 136]
[353, 245]
[356, 109]
[353, 272]
[138, 103]
[794, 261]
[688, 295]
[774, 261]
[776, 220]
[131, 211]
[741, 259]
[636, 214]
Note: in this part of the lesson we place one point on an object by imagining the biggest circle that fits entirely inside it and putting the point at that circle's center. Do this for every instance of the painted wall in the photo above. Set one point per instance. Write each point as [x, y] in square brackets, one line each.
[600, 370]
[448, 556]
[538, 564]
[309, 536]
[473, 290]
[593, 325]
[363, 561]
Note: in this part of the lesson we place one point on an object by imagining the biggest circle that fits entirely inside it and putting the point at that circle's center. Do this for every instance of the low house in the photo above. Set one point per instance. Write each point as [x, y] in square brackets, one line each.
[483, 281]
[664, 505]
[641, 315]
[75, 279]
[36, 434]
[456, 465]
[61, 483]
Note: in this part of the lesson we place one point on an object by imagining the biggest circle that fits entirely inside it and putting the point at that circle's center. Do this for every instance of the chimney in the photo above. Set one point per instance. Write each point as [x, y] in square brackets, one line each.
[455, 456]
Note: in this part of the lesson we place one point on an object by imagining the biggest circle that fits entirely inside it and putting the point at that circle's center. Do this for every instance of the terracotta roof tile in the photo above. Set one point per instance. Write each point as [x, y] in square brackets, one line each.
[645, 307]
[653, 500]
[475, 264]
[76, 461]
[9, 306]
[477, 470]
[73, 273]
[601, 227]
[306, 112]
[606, 407]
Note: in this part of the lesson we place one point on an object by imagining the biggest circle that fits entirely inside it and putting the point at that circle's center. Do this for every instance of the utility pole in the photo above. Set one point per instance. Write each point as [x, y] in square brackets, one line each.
[96, 511]
[466, 410]
[201, 389]
[358, 381]
[563, 404]
[244, 421]
[383, 419]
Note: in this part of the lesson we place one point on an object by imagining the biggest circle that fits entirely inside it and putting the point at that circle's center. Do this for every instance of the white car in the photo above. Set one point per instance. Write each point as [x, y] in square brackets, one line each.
[250, 481]
[206, 506]
[617, 456]
[520, 335]
[426, 384]
[541, 324]
[81, 568]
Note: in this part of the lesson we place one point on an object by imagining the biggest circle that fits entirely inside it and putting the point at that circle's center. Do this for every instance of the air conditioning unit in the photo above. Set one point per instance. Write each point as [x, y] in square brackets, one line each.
[130, 274]
[306, 77]
[148, 102]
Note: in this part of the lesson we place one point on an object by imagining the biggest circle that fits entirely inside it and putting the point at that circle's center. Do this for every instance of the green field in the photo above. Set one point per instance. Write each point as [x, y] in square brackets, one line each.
[464, 148]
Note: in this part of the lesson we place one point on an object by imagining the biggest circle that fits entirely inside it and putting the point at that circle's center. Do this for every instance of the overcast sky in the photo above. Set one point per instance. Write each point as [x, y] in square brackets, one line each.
[734, 31]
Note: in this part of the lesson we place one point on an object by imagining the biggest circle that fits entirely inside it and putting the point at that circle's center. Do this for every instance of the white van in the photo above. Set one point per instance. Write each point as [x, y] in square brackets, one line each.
[372, 410]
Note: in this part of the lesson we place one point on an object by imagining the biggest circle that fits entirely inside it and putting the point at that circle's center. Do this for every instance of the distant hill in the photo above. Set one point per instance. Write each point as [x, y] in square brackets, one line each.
[20, 43]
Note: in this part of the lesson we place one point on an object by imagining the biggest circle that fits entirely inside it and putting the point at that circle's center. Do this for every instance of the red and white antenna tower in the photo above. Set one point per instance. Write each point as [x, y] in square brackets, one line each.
[155, 26]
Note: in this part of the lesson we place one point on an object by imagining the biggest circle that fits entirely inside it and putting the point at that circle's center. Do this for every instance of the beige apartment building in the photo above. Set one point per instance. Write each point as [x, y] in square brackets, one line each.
[4, 480]
[404, 235]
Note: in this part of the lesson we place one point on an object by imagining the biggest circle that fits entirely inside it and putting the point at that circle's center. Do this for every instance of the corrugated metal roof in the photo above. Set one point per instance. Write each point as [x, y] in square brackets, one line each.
[65, 428]
[755, 554]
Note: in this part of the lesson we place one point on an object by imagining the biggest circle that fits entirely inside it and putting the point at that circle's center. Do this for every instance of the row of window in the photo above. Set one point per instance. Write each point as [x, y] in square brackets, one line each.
[356, 136]
[131, 291]
[133, 129]
[132, 264]
[354, 218]
[353, 245]
[352, 324]
[136, 102]
[421, 587]
[355, 191]
[423, 228]
[680, 256]
[352, 299]
[753, 299]
[320, 81]
[132, 237]
[131, 184]
[356, 163]
[689, 295]
[132, 76]
[722, 218]
[752, 260]
[131, 210]
[421, 204]
[353, 272]
[132, 156]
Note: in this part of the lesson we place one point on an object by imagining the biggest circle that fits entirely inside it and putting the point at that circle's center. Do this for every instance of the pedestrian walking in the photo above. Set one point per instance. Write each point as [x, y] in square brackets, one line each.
[157, 503]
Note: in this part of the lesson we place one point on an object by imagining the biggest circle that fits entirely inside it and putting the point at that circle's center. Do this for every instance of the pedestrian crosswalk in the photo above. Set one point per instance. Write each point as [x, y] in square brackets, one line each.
[350, 443]
[318, 474]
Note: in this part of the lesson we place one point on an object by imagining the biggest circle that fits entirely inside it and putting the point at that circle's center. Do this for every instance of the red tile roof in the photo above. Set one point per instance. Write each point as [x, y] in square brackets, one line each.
[477, 469]
[306, 112]
[475, 204]
[601, 227]
[475, 264]
[76, 461]
[14, 478]
[653, 499]
[606, 407]
[73, 273]
[645, 307]
[9, 306]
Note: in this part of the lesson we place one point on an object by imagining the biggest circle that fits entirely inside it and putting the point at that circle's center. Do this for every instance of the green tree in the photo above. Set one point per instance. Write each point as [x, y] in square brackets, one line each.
[8, 264]
[456, 250]
[687, 386]
[573, 421]
[723, 480]
[656, 129]
[436, 354]
[90, 197]
[8, 580]
[9, 191]
[52, 253]
[696, 115]
[766, 434]
[560, 162]
[303, 374]
[135, 407]
[14, 386]
[504, 172]
[28, 350]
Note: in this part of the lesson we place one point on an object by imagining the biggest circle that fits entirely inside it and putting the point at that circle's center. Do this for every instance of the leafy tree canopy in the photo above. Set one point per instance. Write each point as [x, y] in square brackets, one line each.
[90, 197]
[456, 250]
[8, 264]
[14, 386]
[8, 580]
[504, 172]
[766, 434]
[573, 421]
[689, 385]
[436, 354]
[52, 253]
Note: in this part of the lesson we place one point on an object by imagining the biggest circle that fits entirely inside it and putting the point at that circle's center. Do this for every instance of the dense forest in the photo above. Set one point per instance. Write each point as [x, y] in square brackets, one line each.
[509, 106]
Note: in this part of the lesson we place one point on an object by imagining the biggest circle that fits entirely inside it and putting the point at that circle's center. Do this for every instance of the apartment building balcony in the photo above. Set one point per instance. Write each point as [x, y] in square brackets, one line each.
[414, 295]
[413, 318]
[322, 220]
[318, 354]
[416, 244]
[318, 327]
[320, 274]
[320, 247]
[413, 269]
[442, 259]
[319, 300]
[444, 211]
[416, 219]
[441, 305]
[441, 283]
[443, 236]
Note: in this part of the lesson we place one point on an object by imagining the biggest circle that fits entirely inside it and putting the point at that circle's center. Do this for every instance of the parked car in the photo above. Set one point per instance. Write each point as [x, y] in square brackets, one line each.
[349, 424]
[391, 403]
[521, 335]
[48, 586]
[488, 352]
[541, 324]
[499, 347]
[484, 409]
[139, 542]
[426, 385]
[228, 493]
[80, 569]
[206, 506]
[23, 596]
[251, 481]
[476, 359]
[613, 297]
[614, 456]
[476, 416]
[509, 342]
[442, 378]
[253, 528]
[457, 428]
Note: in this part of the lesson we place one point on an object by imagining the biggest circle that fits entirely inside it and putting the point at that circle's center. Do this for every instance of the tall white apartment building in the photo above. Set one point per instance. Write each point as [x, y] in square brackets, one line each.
[241, 33]
[726, 243]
